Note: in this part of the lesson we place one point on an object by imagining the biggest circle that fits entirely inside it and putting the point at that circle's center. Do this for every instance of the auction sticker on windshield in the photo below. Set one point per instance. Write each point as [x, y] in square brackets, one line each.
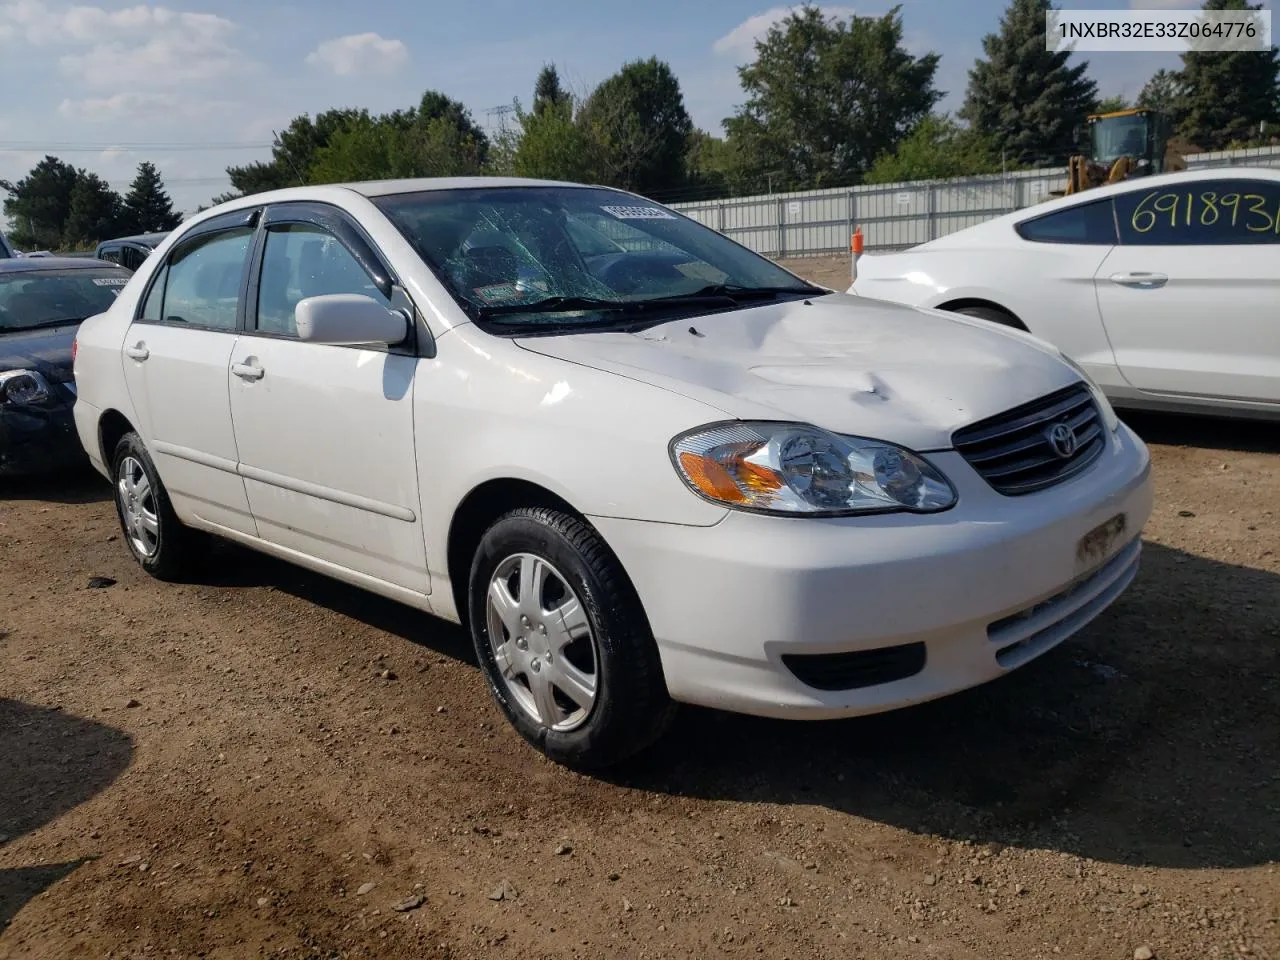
[638, 213]
[110, 281]
[495, 292]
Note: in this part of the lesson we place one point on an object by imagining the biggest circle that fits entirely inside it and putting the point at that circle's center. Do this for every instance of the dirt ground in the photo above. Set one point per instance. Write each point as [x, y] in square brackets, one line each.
[268, 763]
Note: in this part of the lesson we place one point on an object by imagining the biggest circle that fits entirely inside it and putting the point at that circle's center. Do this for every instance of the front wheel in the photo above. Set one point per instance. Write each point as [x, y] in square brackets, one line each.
[564, 642]
[158, 540]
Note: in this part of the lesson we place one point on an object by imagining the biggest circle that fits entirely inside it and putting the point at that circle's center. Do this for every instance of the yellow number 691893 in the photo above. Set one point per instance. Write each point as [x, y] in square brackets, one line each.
[1139, 213]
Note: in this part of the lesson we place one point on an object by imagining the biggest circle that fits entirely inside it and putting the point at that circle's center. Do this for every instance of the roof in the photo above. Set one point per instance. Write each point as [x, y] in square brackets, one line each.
[382, 188]
[379, 188]
[35, 264]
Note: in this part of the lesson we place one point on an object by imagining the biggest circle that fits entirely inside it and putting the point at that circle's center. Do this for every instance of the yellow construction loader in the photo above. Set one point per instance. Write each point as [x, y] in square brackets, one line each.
[1124, 144]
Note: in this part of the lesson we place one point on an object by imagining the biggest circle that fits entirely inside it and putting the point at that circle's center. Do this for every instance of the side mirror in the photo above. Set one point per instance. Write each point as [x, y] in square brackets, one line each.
[348, 319]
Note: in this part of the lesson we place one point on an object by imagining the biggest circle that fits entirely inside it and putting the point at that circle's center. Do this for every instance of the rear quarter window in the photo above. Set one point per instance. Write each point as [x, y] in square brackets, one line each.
[1088, 223]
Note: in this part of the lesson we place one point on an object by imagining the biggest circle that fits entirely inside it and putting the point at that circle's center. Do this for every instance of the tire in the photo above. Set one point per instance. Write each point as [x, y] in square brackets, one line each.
[163, 546]
[992, 314]
[548, 651]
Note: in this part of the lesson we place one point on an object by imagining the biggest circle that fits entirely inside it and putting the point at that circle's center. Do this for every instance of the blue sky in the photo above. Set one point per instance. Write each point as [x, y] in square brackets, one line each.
[195, 85]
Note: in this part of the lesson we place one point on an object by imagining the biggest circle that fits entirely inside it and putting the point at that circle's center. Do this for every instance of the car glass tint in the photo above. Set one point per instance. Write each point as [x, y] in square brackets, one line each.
[303, 261]
[1202, 212]
[1089, 223]
[203, 288]
[40, 297]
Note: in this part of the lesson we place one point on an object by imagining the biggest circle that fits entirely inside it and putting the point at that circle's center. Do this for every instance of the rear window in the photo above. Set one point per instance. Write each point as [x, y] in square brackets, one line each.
[38, 298]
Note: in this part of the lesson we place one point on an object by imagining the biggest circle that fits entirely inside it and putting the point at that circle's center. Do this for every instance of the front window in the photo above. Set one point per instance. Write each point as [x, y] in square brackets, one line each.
[1120, 137]
[47, 298]
[522, 258]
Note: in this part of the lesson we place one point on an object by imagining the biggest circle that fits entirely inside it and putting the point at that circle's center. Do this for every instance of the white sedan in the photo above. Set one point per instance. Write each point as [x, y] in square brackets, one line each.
[1166, 289]
[672, 472]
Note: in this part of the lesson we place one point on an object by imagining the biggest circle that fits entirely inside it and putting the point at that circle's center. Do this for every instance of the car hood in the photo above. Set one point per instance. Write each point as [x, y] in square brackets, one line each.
[843, 363]
[48, 351]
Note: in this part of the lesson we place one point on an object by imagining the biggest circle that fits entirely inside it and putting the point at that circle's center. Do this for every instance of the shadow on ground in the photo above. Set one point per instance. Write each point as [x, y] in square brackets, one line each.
[1210, 433]
[83, 485]
[236, 566]
[1149, 739]
[52, 762]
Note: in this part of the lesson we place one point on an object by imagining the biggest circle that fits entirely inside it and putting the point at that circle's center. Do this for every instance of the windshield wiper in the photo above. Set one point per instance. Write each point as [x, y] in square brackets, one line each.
[557, 305]
[43, 324]
[735, 293]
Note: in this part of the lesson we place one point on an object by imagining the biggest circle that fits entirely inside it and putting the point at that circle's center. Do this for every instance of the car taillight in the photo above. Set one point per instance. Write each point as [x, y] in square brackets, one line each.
[75, 344]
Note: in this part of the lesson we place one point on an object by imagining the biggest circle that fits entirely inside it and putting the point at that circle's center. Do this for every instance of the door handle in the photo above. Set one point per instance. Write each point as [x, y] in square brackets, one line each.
[1148, 281]
[137, 352]
[249, 370]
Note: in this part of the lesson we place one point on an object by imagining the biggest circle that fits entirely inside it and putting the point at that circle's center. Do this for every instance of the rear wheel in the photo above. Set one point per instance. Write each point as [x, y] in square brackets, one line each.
[563, 640]
[158, 540]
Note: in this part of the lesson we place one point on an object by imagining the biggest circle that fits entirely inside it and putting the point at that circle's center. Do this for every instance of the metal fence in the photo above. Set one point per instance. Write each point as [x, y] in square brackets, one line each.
[897, 215]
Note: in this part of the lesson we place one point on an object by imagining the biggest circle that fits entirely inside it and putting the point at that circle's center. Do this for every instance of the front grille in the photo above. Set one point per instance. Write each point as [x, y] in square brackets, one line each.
[858, 668]
[1013, 451]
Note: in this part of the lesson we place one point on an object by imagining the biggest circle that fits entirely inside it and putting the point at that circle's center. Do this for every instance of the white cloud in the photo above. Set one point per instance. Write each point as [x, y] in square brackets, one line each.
[360, 53]
[135, 106]
[741, 40]
[135, 46]
[1164, 4]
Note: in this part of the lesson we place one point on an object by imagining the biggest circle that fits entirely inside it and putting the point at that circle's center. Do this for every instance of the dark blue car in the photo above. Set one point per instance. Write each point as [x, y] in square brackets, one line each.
[42, 301]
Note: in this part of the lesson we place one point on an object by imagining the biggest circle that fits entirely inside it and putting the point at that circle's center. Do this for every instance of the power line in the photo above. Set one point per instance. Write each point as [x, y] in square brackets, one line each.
[20, 146]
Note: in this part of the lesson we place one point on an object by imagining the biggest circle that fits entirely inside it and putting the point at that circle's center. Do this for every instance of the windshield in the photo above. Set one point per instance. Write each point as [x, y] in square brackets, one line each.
[576, 250]
[41, 298]
[1119, 137]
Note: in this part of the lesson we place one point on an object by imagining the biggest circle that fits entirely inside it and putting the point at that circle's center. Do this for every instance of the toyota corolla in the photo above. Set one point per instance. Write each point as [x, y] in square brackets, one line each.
[674, 474]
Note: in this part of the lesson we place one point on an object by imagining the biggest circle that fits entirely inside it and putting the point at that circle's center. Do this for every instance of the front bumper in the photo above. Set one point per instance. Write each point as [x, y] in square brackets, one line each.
[39, 438]
[949, 601]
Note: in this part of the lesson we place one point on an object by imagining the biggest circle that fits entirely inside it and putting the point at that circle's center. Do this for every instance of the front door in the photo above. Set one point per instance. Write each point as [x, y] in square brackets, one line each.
[325, 433]
[176, 356]
[1191, 296]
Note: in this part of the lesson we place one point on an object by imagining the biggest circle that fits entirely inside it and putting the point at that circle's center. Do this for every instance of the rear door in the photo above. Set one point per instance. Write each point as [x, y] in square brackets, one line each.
[1191, 296]
[176, 355]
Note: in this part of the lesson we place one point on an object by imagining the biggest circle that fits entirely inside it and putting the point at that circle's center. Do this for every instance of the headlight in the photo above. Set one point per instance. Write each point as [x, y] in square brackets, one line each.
[23, 386]
[1108, 413]
[793, 468]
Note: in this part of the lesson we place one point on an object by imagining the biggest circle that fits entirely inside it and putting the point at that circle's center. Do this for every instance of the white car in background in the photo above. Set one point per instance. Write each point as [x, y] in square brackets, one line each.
[1166, 289]
[675, 473]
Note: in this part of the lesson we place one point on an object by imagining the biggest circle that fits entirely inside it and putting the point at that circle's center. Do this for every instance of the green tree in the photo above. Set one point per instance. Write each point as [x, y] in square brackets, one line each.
[96, 213]
[547, 91]
[292, 154]
[1028, 100]
[938, 148]
[638, 127]
[401, 144]
[1163, 92]
[826, 97]
[148, 208]
[40, 203]
[1228, 95]
[552, 145]
[1111, 105]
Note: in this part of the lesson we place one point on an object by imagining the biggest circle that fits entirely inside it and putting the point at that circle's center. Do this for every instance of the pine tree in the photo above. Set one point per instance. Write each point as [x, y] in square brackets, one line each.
[1027, 100]
[147, 207]
[547, 91]
[1226, 96]
[96, 212]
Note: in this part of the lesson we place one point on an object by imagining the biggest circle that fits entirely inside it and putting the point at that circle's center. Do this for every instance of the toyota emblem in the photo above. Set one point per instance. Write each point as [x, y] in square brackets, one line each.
[1063, 439]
